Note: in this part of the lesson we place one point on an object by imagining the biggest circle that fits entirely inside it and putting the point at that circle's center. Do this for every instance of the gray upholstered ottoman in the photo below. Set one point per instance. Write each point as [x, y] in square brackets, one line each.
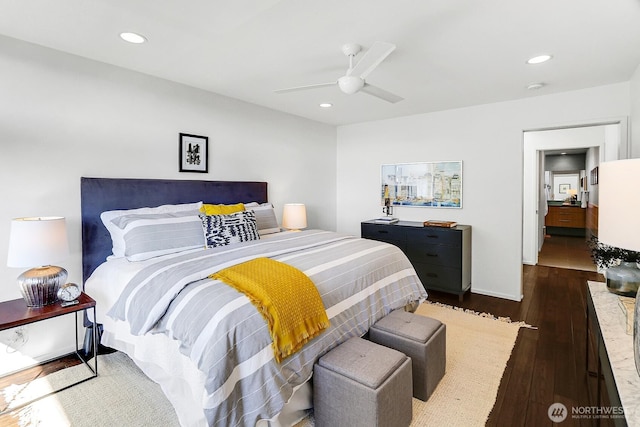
[421, 338]
[360, 383]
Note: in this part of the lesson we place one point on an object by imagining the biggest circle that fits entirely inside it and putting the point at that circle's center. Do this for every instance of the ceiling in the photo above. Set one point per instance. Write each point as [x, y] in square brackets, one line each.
[450, 53]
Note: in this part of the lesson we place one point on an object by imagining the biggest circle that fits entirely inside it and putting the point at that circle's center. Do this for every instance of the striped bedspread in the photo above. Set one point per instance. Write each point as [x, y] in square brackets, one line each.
[218, 328]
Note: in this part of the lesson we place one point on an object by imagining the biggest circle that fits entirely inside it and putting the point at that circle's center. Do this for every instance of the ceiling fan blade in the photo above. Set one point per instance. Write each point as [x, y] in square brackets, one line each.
[371, 59]
[295, 89]
[381, 93]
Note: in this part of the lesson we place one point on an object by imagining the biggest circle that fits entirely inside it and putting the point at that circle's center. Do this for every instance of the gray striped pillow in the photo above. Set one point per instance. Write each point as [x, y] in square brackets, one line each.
[151, 235]
[265, 217]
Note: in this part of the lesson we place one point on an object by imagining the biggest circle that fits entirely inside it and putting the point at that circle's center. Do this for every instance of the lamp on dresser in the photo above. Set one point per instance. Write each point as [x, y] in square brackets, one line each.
[294, 216]
[38, 242]
[619, 218]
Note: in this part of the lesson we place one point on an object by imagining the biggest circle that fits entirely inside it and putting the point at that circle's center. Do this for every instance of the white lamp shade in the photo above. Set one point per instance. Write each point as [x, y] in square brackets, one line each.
[619, 204]
[37, 241]
[294, 216]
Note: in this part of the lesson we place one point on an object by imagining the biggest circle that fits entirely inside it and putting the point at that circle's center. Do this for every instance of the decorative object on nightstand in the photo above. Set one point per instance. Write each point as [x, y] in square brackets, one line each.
[294, 216]
[69, 293]
[619, 218]
[38, 242]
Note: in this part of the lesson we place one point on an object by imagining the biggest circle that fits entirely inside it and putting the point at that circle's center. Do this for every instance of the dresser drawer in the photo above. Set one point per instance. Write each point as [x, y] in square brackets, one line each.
[439, 277]
[385, 233]
[449, 256]
[435, 235]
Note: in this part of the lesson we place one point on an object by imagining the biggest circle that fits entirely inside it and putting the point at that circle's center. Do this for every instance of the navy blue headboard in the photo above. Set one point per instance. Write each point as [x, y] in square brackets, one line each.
[105, 194]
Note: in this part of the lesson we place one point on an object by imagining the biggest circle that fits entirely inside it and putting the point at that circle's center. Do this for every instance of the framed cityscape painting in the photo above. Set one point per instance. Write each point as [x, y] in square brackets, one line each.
[427, 184]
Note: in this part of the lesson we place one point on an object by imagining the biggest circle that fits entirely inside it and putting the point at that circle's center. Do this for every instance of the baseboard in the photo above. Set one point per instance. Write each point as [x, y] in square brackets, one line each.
[496, 294]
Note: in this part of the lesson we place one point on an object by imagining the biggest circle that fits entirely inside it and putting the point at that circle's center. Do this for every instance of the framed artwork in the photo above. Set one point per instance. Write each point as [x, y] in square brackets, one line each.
[594, 176]
[564, 188]
[194, 153]
[427, 184]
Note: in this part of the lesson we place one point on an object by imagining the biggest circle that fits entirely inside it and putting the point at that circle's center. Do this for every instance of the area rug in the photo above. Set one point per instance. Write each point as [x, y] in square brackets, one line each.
[121, 395]
[478, 348]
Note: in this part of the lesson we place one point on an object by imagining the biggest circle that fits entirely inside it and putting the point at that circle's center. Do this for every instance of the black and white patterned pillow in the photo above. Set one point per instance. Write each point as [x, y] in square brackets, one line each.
[222, 230]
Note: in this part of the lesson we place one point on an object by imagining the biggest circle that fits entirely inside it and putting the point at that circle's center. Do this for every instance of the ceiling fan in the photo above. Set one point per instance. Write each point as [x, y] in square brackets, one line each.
[355, 78]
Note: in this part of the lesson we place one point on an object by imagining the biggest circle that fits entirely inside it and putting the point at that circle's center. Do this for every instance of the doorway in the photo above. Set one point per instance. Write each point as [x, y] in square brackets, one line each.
[566, 252]
[605, 141]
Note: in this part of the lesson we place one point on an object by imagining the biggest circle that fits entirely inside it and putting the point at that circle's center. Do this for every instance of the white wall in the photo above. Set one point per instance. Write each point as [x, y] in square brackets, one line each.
[489, 141]
[64, 117]
[635, 114]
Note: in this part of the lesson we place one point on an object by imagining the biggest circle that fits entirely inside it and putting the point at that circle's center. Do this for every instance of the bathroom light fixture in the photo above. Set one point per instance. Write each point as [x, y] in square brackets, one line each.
[133, 38]
[326, 105]
[539, 59]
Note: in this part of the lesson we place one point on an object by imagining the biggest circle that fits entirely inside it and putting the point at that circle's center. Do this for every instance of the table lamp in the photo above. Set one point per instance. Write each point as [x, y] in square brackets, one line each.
[38, 242]
[294, 216]
[619, 218]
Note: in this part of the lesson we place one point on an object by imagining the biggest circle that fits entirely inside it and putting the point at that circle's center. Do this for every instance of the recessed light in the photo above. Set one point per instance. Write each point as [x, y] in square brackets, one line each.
[326, 105]
[539, 59]
[133, 38]
[564, 154]
[535, 86]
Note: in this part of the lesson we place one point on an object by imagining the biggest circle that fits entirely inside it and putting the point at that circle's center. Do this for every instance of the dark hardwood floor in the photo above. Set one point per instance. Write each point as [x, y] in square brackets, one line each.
[547, 365]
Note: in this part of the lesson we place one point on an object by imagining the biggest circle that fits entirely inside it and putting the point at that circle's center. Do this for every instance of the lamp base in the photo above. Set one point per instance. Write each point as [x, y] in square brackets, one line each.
[39, 286]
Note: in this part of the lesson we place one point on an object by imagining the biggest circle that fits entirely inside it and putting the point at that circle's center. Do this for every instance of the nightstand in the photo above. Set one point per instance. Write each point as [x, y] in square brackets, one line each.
[16, 313]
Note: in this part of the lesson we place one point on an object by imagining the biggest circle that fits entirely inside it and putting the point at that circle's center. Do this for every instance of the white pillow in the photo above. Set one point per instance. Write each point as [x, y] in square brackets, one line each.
[265, 217]
[117, 234]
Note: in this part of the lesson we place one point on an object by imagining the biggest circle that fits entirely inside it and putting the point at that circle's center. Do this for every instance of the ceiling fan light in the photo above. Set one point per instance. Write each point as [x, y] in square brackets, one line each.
[350, 84]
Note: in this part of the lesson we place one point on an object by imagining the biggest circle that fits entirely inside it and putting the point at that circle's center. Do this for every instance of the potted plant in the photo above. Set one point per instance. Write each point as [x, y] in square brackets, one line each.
[620, 265]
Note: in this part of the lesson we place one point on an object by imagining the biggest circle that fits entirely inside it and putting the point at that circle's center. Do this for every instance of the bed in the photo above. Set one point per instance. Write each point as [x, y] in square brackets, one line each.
[204, 342]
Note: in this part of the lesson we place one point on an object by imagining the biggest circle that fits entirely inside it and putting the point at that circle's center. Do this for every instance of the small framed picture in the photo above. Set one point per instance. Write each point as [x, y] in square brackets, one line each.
[194, 153]
[564, 188]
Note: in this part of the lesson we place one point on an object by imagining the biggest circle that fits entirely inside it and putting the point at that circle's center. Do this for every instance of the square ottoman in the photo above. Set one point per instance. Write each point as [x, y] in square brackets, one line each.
[421, 338]
[360, 383]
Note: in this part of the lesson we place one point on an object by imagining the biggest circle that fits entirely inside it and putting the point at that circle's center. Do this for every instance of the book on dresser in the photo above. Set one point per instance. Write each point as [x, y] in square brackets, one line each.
[438, 223]
[386, 220]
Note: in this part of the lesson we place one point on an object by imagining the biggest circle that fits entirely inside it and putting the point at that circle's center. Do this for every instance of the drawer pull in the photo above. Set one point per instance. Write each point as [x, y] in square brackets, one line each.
[382, 231]
[432, 236]
[432, 255]
[432, 275]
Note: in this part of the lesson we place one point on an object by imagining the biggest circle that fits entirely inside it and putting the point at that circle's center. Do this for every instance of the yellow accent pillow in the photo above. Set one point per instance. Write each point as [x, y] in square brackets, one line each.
[221, 209]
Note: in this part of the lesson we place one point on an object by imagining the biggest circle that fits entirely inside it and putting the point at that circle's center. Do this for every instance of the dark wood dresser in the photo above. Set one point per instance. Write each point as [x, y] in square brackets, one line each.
[440, 256]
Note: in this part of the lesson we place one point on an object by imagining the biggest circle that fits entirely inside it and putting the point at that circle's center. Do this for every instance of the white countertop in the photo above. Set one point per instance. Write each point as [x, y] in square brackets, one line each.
[619, 346]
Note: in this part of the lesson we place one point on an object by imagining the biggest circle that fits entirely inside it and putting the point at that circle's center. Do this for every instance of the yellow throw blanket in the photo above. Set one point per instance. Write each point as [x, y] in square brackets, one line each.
[286, 297]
